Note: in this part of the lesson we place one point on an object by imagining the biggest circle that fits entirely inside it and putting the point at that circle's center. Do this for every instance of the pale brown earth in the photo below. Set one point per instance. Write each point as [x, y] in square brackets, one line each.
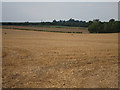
[33, 59]
[66, 29]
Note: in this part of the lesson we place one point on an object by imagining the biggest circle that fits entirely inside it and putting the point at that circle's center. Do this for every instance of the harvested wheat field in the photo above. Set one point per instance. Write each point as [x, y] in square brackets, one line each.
[33, 59]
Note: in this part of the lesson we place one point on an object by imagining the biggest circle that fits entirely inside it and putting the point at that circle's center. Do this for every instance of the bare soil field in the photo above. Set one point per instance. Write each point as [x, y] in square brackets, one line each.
[33, 59]
[64, 29]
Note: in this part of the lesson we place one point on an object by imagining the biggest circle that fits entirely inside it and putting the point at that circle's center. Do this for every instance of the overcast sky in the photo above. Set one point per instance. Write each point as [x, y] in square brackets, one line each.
[47, 11]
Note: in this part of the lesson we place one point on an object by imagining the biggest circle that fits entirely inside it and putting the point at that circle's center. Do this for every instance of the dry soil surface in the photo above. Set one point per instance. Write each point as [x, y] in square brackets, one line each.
[63, 29]
[33, 59]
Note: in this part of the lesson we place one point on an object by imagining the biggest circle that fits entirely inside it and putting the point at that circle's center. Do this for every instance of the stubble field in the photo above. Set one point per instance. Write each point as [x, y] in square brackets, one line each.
[33, 59]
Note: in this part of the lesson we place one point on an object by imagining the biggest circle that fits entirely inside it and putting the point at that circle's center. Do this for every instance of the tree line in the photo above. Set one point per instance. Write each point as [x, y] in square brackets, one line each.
[94, 26]
[71, 22]
[104, 27]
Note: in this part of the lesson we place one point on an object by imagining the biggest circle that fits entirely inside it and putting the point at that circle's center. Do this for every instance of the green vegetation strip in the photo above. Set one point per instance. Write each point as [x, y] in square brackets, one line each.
[67, 27]
[42, 30]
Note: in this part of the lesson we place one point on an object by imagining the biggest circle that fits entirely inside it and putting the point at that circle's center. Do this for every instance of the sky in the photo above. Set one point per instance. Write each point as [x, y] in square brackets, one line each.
[119, 11]
[60, 0]
[48, 11]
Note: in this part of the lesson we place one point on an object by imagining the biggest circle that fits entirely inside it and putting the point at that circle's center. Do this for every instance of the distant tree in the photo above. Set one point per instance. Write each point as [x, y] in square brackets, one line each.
[105, 27]
[71, 20]
[54, 21]
[96, 20]
[90, 22]
[112, 20]
[96, 27]
[27, 23]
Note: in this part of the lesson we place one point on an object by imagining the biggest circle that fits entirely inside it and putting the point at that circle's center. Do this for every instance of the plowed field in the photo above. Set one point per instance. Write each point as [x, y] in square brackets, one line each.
[33, 59]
